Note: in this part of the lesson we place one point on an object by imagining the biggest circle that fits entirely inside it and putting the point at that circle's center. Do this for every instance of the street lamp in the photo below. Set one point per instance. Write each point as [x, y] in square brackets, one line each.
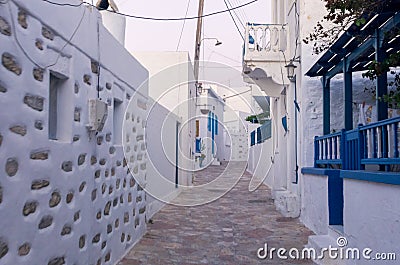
[197, 65]
[217, 43]
[290, 71]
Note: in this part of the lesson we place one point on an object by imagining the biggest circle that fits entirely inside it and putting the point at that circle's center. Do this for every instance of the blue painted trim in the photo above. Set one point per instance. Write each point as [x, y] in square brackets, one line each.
[328, 136]
[209, 122]
[316, 151]
[335, 198]
[381, 80]
[335, 192]
[348, 96]
[252, 138]
[329, 161]
[212, 133]
[377, 161]
[378, 177]
[380, 123]
[326, 105]
[259, 136]
[396, 144]
[216, 124]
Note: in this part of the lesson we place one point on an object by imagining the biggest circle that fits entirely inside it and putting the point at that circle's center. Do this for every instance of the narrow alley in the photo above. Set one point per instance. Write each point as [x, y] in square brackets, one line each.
[229, 230]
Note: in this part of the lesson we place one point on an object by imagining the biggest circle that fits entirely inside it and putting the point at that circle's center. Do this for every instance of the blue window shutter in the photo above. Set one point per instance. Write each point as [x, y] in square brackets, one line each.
[252, 138]
[212, 123]
[216, 125]
[259, 139]
[198, 145]
[209, 122]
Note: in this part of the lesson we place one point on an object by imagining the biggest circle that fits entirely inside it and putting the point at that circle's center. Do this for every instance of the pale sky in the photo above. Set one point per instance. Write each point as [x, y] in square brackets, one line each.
[145, 35]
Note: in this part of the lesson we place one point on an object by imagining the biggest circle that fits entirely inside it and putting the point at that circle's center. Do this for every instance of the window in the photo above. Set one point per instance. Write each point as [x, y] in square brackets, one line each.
[60, 108]
[197, 128]
[118, 115]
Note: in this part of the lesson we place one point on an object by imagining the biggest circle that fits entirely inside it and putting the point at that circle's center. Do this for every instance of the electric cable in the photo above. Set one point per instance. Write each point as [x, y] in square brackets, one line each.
[226, 4]
[153, 18]
[237, 16]
[24, 51]
[227, 57]
[69, 40]
[17, 41]
[237, 94]
[183, 26]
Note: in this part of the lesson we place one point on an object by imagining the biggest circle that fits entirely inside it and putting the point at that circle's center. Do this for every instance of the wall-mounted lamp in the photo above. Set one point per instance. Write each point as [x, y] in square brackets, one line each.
[290, 71]
[199, 88]
[217, 43]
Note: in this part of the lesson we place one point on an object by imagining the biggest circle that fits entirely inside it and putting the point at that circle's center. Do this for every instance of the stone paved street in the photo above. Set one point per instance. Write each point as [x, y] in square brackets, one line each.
[226, 231]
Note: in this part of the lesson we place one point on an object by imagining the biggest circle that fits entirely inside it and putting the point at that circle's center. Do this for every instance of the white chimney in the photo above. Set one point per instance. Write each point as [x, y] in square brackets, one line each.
[115, 24]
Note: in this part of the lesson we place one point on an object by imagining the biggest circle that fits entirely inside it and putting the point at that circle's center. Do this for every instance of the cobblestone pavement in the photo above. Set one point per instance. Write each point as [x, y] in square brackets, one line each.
[226, 231]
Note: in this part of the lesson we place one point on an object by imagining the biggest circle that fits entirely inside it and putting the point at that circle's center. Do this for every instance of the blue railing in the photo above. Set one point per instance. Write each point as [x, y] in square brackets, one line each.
[261, 134]
[373, 144]
[252, 138]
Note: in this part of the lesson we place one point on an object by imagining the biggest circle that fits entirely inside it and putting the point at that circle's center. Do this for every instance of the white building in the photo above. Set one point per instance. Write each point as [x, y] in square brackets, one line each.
[332, 203]
[73, 101]
[240, 102]
[169, 134]
[210, 143]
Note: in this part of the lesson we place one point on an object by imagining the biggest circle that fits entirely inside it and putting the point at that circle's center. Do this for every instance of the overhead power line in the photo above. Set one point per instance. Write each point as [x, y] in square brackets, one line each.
[183, 26]
[154, 18]
[233, 19]
[237, 94]
[237, 16]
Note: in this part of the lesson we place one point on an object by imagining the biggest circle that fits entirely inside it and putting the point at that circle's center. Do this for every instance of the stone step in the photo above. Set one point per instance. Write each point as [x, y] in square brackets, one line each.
[336, 231]
[318, 242]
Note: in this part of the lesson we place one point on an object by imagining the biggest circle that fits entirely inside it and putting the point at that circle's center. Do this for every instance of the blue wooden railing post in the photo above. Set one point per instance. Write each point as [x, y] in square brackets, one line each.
[361, 146]
[396, 143]
[316, 151]
[343, 154]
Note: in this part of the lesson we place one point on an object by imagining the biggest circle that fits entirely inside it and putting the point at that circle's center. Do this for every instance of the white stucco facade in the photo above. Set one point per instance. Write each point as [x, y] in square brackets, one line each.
[67, 194]
[171, 84]
[210, 130]
[306, 195]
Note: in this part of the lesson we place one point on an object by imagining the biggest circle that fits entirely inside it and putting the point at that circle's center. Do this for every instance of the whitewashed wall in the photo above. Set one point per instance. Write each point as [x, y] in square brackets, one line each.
[260, 162]
[161, 131]
[372, 217]
[210, 101]
[171, 85]
[71, 201]
[314, 196]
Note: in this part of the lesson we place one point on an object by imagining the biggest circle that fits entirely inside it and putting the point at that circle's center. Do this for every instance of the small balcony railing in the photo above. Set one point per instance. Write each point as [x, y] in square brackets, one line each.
[373, 144]
[264, 42]
[261, 134]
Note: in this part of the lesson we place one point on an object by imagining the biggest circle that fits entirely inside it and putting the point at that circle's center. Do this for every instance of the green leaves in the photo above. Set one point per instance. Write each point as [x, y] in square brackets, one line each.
[360, 22]
[340, 15]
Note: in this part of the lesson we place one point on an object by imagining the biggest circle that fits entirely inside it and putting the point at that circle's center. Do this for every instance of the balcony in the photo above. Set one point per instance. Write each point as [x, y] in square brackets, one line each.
[264, 54]
[373, 147]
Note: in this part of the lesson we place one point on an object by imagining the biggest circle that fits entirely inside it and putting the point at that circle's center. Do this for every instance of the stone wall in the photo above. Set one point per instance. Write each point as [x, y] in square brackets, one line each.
[70, 200]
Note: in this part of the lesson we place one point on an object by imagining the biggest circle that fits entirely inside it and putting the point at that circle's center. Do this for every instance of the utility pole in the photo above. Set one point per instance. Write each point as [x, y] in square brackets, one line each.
[198, 43]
